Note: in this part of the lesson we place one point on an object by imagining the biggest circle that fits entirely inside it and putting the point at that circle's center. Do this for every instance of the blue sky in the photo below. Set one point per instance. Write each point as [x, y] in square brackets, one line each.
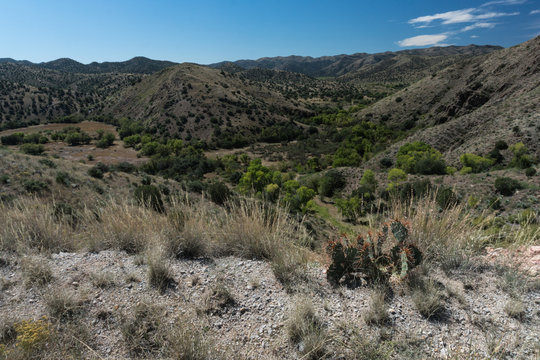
[211, 31]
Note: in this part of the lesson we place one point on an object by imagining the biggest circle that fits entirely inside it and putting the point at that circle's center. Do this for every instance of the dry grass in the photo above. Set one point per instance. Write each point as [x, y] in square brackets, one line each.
[29, 224]
[159, 271]
[64, 304]
[516, 309]
[439, 234]
[377, 312]
[36, 271]
[306, 330]
[103, 279]
[428, 299]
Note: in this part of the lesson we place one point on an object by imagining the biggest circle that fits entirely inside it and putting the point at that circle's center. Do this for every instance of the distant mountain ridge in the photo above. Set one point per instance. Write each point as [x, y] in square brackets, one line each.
[137, 65]
[338, 65]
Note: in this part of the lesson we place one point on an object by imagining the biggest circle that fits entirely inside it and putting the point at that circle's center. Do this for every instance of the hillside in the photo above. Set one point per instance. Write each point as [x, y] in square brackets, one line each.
[338, 65]
[31, 95]
[489, 98]
[137, 65]
[193, 101]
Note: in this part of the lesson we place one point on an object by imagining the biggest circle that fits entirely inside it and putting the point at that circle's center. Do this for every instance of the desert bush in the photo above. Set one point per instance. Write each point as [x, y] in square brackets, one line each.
[507, 186]
[149, 196]
[475, 162]
[186, 341]
[446, 198]
[95, 172]
[331, 182]
[396, 176]
[106, 140]
[306, 328]
[32, 149]
[63, 178]
[219, 192]
[420, 158]
[32, 336]
[35, 186]
[373, 255]
[521, 159]
[386, 162]
[530, 172]
[501, 145]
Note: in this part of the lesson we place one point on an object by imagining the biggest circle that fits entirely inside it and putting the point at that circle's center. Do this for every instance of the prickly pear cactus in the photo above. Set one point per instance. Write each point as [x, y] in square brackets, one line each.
[367, 256]
[343, 257]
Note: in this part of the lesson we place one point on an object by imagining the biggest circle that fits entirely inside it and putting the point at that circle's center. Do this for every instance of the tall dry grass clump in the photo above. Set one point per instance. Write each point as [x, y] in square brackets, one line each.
[122, 225]
[30, 224]
[440, 233]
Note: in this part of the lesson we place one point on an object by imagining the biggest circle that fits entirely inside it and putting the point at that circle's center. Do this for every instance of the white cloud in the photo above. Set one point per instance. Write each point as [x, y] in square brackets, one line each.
[505, 2]
[458, 16]
[480, 25]
[474, 36]
[534, 12]
[423, 40]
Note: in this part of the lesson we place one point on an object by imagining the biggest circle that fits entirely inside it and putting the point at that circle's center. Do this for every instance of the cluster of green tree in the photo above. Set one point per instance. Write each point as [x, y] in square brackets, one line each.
[274, 186]
[420, 158]
[20, 138]
[359, 142]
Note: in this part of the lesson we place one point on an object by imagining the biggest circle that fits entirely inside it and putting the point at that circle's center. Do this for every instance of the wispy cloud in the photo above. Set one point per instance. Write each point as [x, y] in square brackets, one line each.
[534, 12]
[474, 36]
[424, 40]
[480, 25]
[504, 2]
[458, 16]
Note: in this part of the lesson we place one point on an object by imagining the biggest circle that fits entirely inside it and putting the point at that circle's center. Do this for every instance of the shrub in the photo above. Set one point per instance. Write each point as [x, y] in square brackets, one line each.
[35, 186]
[506, 186]
[501, 145]
[430, 166]
[32, 149]
[63, 305]
[106, 140]
[219, 193]
[12, 139]
[475, 162]
[520, 159]
[48, 162]
[149, 195]
[446, 198]
[331, 182]
[368, 180]
[367, 255]
[95, 172]
[63, 178]
[386, 162]
[32, 335]
[396, 176]
[530, 172]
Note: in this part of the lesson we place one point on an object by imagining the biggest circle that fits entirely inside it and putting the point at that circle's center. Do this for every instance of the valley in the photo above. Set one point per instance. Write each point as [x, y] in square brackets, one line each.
[339, 207]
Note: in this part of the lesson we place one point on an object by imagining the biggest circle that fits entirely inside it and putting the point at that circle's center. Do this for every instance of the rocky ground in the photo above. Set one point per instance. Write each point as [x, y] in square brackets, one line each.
[252, 323]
